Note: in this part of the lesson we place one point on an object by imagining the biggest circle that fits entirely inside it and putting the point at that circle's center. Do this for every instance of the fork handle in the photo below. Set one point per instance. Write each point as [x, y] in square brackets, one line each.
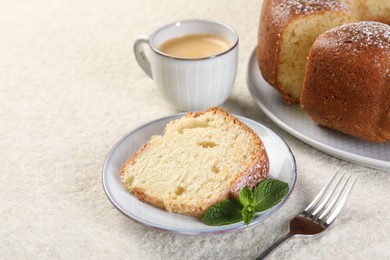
[275, 245]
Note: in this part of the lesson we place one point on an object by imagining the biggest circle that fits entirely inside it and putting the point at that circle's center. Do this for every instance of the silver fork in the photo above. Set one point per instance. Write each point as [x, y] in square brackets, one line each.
[321, 212]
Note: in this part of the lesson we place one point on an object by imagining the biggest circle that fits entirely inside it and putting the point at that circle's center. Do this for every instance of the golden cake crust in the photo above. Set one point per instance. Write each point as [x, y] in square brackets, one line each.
[347, 84]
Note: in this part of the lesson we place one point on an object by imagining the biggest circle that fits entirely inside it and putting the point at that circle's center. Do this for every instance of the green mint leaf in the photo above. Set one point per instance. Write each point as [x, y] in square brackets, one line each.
[266, 195]
[248, 213]
[223, 213]
[247, 197]
[247, 200]
[269, 193]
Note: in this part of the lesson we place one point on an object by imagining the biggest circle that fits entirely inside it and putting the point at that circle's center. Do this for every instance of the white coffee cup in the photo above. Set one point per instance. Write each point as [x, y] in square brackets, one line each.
[190, 84]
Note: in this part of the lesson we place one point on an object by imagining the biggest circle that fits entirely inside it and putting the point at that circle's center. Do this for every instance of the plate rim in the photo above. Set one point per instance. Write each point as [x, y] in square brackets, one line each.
[330, 150]
[188, 231]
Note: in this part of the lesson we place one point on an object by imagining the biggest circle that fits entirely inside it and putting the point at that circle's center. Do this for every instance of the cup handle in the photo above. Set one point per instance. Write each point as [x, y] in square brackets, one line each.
[140, 55]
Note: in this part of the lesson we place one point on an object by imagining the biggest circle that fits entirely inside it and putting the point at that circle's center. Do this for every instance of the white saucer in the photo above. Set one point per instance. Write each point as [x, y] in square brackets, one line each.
[293, 120]
[282, 167]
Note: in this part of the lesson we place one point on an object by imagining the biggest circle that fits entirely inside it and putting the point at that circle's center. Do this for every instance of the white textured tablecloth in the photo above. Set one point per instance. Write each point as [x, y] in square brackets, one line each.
[70, 88]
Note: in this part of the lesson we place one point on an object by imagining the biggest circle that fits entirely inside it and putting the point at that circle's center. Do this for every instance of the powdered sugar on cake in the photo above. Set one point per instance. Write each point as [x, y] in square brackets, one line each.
[365, 34]
[300, 7]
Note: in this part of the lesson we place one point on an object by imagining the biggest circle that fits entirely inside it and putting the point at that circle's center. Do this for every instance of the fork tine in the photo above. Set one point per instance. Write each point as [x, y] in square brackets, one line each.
[307, 225]
[326, 199]
[314, 203]
[334, 201]
[342, 203]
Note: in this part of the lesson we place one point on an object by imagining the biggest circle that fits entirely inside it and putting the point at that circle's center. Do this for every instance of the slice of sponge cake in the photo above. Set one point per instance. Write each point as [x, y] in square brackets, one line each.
[201, 158]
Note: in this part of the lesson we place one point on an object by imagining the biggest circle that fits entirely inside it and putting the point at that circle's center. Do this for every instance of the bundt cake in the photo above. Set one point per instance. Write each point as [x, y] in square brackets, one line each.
[347, 82]
[288, 29]
[201, 159]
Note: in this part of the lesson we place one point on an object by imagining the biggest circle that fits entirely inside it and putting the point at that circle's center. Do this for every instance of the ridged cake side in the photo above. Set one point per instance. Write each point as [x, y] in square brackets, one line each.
[347, 85]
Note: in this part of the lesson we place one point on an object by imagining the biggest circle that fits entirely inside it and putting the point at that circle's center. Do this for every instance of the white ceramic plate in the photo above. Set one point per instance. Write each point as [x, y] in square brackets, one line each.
[293, 120]
[282, 167]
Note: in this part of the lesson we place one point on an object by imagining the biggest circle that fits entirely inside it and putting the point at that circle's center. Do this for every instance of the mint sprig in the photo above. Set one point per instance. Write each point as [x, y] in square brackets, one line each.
[269, 193]
[224, 213]
[265, 195]
[247, 200]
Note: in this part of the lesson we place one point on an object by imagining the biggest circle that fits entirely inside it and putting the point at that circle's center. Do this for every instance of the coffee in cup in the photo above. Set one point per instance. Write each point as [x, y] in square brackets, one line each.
[193, 62]
[195, 46]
